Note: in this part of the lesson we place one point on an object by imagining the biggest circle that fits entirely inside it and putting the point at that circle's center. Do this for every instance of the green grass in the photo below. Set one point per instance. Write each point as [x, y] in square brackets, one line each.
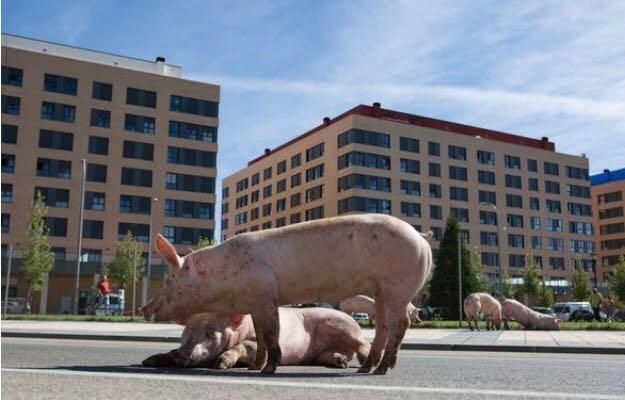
[70, 317]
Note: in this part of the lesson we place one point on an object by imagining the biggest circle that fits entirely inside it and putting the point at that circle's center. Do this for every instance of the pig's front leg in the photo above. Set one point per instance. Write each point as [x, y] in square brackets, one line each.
[267, 322]
[242, 353]
[161, 360]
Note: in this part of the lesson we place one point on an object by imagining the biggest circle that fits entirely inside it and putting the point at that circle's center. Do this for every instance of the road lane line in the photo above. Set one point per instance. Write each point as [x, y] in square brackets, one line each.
[332, 386]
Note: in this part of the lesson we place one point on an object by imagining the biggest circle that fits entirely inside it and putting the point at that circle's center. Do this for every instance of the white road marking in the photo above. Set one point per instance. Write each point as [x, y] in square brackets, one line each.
[331, 386]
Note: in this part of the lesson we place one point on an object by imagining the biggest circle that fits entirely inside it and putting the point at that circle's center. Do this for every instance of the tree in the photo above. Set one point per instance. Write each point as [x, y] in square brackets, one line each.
[444, 289]
[507, 291]
[531, 278]
[544, 295]
[37, 253]
[204, 241]
[128, 259]
[580, 283]
[476, 262]
[616, 280]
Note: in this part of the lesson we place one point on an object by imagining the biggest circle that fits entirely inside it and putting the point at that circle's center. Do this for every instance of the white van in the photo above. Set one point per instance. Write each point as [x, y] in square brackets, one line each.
[565, 309]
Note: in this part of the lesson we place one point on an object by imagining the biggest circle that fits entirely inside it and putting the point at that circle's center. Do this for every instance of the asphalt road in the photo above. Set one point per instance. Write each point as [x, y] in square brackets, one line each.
[86, 369]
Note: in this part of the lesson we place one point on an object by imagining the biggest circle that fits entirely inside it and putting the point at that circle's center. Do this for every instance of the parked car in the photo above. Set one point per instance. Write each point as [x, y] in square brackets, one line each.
[619, 316]
[565, 309]
[361, 316]
[116, 305]
[427, 313]
[583, 314]
[544, 310]
[16, 305]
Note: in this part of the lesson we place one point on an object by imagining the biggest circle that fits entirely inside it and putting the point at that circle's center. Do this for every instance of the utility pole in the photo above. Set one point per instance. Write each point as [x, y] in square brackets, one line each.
[6, 290]
[83, 167]
[459, 278]
[148, 275]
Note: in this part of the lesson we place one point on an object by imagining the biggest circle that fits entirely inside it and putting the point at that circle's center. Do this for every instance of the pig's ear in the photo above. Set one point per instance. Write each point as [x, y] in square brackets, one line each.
[168, 252]
[236, 320]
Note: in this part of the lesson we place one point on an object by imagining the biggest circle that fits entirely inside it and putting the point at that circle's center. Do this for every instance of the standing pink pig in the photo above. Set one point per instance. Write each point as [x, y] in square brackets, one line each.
[324, 260]
[308, 336]
[530, 319]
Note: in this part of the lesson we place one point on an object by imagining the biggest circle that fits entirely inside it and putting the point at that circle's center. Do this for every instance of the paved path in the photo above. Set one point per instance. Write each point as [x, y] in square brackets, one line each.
[444, 339]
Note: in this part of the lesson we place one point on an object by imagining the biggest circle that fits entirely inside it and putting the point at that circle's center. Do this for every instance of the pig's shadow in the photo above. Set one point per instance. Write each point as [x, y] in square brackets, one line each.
[282, 372]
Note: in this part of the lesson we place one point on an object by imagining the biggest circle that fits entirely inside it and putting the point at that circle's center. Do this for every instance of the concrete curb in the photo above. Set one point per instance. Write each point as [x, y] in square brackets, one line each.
[404, 346]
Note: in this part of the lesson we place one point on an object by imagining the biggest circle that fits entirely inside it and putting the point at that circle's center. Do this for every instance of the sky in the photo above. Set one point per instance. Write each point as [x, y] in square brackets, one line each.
[550, 68]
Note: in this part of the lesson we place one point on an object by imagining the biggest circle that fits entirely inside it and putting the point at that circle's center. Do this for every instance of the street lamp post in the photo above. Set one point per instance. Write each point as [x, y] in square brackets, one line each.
[83, 168]
[148, 274]
[485, 203]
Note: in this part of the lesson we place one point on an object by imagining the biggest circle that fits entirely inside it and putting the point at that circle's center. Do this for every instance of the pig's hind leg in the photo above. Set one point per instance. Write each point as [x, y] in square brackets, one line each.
[397, 321]
[243, 353]
[332, 359]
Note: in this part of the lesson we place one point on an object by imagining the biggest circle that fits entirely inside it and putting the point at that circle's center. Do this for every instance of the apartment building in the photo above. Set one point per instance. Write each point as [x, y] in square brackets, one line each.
[608, 194]
[149, 138]
[506, 190]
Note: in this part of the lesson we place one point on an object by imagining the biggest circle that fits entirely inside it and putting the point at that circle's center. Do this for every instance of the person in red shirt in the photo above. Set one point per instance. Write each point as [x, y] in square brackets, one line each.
[103, 288]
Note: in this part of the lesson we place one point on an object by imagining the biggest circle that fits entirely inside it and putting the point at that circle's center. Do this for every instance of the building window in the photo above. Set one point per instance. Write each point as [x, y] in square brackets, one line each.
[6, 223]
[91, 256]
[200, 158]
[459, 194]
[314, 152]
[190, 105]
[241, 202]
[185, 130]
[296, 180]
[515, 221]
[255, 196]
[487, 197]
[9, 134]
[436, 212]
[488, 218]
[139, 150]
[460, 214]
[12, 76]
[295, 218]
[516, 241]
[100, 118]
[8, 163]
[296, 160]
[553, 206]
[516, 260]
[296, 199]
[512, 162]
[92, 229]
[534, 203]
[314, 213]
[267, 210]
[556, 263]
[254, 213]
[532, 184]
[225, 192]
[96, 172]
[242, 185]
[224, 208]
[140, 205]
[535, 223]
[488, 238]
[409, 166]
[514, 201]
[555, 244]
[56, 226]
[610, 197]
[56, 140]
[551, 168]
[552, 187]
[537, 243]
[139, 97]
[457, 153]
[140, 124]
[434, 169]
[240, 218]
[436, 191]
[138, 177]
[362, 204]
[102, 91]
[281, 205]
[513, 181]
[486, 177]
[11, 105]
[313, 173]
[408, 144]
[577, 209]
[576, 173]
[364, 137]
[281, 186]
[54, 168]
[281, 167]
[458, 173]
[60, 84]
[189, 183]
[532, 165]
[267, 173]
[434, 149]
[368, 160]
[579, 191]
[554, 225]
[410, 188]
[314, 193]
[266, 191]
[98, 145]
[486, 157]
[141, 232]
[7, 193]
[53, 197]
[280, 222]
[94, 201]
[490, 259]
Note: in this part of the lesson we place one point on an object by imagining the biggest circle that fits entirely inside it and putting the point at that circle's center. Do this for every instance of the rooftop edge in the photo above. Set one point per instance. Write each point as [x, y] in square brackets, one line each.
[607, 176]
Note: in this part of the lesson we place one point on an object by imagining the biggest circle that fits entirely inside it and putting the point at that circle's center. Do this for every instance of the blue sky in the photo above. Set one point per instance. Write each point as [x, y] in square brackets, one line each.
[552, 69]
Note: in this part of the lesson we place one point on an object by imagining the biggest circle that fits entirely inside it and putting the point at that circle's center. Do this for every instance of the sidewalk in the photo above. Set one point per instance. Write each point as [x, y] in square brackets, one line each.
[594, 342]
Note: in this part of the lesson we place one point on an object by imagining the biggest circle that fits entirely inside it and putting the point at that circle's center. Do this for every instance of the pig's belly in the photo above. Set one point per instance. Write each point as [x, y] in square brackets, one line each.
[295, 347]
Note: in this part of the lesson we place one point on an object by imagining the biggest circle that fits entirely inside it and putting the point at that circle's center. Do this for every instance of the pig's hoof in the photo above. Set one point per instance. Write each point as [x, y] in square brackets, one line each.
[340, 361]
[381, 370]
[269, 369]
[253, 367]
[222, 364]
[364, 370]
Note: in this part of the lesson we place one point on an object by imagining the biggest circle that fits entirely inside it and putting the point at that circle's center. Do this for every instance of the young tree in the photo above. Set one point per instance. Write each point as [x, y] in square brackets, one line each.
[444, 289]
[204, 241]
[507, 289]
[580, 283]
[476, 262]
[531, 278]
[545, 295]
[37, 253]
[616, 280]
[128, 258]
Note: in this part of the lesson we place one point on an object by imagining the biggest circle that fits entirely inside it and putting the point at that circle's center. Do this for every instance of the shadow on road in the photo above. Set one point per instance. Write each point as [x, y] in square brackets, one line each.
[282, 372]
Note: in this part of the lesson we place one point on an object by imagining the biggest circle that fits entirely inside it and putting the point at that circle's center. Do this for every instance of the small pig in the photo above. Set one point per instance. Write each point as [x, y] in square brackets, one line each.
[366, 304]
[308, 336]
[530, 319]
[324, 260]
[485, 304]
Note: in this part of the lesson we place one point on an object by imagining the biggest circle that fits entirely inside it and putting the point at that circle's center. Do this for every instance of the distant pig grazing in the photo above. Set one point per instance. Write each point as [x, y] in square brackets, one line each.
[325, 260]
[530, 319]
[485, 304]
[308, 336]
[365, 304]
